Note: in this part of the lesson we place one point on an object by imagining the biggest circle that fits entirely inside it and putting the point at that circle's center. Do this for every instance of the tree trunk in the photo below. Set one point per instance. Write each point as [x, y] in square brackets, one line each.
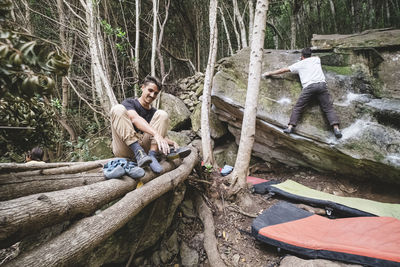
[226, 31]
[101, 83]
[137, 43]
[320, 22]
[250, 112]
[239, 46]
[243, 35]
[86, 234]
[28, 25]
[154, 40]
[296, 4]
[160, 39]
[251, 21]
[333, 11]
[208, 156]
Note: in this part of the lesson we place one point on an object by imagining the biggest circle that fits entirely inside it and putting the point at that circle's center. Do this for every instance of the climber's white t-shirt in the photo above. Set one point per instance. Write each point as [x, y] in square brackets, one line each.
[309, 70]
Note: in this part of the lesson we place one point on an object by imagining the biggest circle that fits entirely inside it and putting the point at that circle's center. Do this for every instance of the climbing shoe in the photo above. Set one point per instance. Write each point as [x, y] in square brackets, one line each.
[337, 133]
[133, 171]
[288, 130]
[114, 168]
[181, 152]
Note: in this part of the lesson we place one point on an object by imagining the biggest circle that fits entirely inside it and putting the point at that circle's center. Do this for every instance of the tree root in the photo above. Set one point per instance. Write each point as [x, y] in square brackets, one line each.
[210, 242]
[239, 210]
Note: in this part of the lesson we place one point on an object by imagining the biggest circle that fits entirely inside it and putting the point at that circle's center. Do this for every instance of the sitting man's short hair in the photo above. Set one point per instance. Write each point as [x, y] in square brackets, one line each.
[153, 80]
[306, 52]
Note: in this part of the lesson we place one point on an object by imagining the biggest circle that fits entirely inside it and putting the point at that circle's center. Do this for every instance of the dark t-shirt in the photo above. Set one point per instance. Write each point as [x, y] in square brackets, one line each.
[134, 104]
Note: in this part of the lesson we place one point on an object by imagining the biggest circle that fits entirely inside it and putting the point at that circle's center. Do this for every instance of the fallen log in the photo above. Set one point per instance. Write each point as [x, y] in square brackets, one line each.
[73, 168]
[16, 167]
[89, 232]
[23, 186]
[16, 186]
[210, 242]
[22, 216]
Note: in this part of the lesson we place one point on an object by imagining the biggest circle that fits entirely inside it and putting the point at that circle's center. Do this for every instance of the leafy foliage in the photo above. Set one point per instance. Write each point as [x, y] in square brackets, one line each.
[28, 67]
[36, 118]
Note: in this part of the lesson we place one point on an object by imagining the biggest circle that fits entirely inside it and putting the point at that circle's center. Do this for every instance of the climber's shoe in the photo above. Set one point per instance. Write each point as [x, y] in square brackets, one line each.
[133, 170]
[181, 152]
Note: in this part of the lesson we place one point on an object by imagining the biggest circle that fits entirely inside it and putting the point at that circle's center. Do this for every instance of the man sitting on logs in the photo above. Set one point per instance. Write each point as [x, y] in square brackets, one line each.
[139, 130]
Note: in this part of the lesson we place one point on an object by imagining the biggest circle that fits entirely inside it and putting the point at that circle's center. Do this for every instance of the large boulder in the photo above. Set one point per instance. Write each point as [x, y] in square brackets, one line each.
[179, 114]
[357, 77]
[217, 128]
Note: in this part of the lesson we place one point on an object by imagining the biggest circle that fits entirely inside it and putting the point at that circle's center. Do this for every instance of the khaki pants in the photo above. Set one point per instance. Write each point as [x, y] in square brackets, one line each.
[124, 134]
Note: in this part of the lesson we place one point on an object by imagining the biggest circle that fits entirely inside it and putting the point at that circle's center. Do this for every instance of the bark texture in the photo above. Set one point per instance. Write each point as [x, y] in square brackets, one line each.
[249, 119]
[86, 234]
[208, 156]
[25, 215]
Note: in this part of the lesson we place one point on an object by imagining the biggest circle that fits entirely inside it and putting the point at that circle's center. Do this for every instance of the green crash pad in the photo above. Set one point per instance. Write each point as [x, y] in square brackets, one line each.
[365, 205]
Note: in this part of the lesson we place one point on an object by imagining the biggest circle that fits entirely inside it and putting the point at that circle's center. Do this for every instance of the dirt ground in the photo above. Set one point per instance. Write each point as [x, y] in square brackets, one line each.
[233, 224]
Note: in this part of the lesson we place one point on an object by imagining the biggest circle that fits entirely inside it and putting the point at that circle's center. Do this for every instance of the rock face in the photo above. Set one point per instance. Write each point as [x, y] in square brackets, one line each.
[179, 114]
[363, 80]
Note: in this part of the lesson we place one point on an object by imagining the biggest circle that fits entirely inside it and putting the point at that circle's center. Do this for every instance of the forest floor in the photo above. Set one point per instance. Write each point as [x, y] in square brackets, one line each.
[238, 248]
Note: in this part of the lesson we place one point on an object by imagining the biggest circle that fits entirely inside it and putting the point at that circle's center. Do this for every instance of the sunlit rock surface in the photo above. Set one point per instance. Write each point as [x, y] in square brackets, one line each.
[363, 81]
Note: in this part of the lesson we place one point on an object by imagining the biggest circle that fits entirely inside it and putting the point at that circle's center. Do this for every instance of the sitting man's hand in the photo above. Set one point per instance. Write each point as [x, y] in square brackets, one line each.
[161, 143]
[175, 144]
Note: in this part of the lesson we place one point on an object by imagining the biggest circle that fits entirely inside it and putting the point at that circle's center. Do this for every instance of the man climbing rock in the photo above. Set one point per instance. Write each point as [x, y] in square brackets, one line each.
[313, 82]
[139, 130]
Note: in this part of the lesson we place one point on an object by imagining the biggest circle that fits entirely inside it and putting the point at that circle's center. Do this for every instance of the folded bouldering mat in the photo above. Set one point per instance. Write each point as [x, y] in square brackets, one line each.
[255, 180]
[347, 205]
[372, 241]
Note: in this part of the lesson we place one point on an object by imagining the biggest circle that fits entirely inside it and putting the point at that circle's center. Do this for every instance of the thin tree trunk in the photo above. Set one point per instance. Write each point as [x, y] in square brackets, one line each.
[243, 35]
[102, 85]
[226, 32]
[85, 235]
[239, 173]
[320, 22]
[198, 27]
[371, 13]
[333, 11]
[154, 41]
[251, 21]
[208, 157]
[237, 35]
[296, 4]
[28, 27]
[137, 42]
[66, 46]
[160, 39]
[387, 12]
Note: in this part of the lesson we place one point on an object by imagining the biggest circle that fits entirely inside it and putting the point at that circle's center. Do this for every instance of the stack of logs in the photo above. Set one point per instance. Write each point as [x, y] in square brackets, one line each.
[36, 196]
